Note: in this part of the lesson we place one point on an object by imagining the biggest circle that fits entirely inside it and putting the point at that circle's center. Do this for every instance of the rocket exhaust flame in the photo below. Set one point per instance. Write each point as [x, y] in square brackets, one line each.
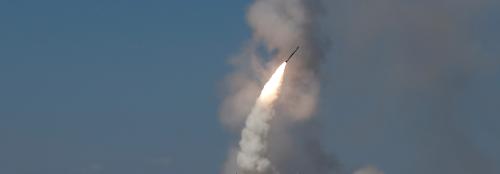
[271, 89]
[253, 146]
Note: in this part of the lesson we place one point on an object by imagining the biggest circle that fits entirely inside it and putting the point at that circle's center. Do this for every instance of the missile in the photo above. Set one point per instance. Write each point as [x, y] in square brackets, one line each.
[289, 57]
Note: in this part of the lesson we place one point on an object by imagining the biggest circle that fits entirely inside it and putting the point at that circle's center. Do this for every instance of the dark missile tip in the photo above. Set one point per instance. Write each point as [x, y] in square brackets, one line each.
[291, 55]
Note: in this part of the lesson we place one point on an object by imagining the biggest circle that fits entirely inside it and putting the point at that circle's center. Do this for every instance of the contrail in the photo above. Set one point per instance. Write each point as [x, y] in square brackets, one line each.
[251, 156]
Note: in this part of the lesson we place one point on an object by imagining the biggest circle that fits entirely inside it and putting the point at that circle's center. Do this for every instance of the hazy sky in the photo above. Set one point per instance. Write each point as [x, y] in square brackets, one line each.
[114, 87]
[133, 87]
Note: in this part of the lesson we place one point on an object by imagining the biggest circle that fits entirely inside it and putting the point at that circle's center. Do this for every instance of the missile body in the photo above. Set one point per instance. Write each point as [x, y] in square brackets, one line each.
[289, 57]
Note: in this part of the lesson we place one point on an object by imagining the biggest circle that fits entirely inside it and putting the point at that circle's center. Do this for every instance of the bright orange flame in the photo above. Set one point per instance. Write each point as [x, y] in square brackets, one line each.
[271, 89]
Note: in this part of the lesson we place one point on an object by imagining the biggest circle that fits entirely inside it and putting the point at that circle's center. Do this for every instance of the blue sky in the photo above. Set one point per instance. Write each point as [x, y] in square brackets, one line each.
[115, 87]
[94, 87]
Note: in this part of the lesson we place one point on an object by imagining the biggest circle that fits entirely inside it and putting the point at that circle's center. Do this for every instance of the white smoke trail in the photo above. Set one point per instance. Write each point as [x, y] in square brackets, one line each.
[278, 25]
[251, 157]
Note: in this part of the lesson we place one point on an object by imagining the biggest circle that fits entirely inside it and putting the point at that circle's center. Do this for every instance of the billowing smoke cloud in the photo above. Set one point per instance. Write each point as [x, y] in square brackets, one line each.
[405, 81]
[278, 26]
[415, 84]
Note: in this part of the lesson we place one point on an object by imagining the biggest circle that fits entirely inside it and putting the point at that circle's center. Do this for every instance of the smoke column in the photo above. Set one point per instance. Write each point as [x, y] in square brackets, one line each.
[251, 156]
[293, 143]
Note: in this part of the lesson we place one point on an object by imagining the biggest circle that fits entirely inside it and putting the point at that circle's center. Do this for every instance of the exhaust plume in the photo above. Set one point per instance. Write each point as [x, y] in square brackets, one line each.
[292, 143]
[251, 157]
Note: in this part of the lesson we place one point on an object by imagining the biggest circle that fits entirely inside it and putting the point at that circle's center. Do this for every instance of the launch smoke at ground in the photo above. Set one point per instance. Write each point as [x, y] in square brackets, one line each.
[253, 145]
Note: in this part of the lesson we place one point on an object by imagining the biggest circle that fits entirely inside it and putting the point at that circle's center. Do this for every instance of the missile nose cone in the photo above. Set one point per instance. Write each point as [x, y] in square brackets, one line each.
[291, 55]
